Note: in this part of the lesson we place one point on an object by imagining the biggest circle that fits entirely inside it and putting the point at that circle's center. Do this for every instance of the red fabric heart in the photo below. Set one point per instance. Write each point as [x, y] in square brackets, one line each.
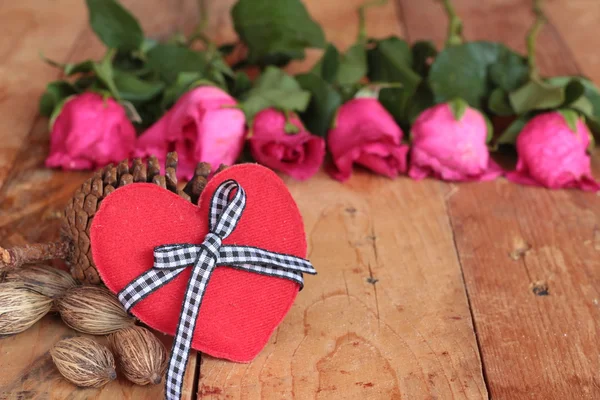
[240, 309]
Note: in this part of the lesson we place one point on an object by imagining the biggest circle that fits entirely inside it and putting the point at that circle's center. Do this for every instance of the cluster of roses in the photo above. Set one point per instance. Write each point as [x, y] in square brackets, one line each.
[206, 125]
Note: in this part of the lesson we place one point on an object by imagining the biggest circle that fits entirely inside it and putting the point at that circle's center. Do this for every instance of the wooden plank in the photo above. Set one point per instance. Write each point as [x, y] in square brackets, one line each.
[30, 27]
[386, 318]
[515, 241]
[29, 373]
[584, 15]
[33, 197]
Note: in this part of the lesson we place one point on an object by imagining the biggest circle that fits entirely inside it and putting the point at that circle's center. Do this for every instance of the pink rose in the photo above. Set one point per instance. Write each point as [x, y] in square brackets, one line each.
[552, 155]
[90, 132]
[366, 134]
[203, 125]
[297, 154]
[450, 149]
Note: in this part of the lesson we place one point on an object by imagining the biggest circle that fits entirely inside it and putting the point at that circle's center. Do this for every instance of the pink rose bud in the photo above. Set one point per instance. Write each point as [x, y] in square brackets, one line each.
[553, 155]
[298, 154]
[90, 132]
[366, 134]
[450, 149]
[204, 125]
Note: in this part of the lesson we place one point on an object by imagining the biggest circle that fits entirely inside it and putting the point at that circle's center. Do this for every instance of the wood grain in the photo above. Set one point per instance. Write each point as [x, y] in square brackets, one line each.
[518, 243]
[33, 197]
[386, 318]
[26, 27]
[29, 373]
[584, 16]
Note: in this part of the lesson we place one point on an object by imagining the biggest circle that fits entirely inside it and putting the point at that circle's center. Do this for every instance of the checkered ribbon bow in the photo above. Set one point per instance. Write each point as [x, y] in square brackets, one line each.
[171, 260]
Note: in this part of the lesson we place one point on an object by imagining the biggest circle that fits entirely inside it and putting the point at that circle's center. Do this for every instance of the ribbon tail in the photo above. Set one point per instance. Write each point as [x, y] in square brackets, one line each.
[145, 284]
[256, 256]
[265, 262]
[180, 350]
[268, 271]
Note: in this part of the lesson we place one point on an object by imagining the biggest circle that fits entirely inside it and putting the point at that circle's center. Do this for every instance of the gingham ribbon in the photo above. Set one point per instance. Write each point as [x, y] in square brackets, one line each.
[170, 260]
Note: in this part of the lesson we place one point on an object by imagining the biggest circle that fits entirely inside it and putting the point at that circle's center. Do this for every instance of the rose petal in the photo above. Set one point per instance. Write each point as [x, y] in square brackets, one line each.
[299, 155]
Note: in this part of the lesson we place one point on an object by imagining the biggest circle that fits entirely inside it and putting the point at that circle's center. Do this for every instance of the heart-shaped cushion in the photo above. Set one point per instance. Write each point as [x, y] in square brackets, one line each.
[240, 309]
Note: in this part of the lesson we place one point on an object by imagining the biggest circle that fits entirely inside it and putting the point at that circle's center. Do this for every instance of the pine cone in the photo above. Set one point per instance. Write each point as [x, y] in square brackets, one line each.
[74, 244]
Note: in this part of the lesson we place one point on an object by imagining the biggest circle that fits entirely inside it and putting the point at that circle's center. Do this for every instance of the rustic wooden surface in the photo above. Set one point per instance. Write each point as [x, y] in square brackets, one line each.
[425, 290]
[31, 197]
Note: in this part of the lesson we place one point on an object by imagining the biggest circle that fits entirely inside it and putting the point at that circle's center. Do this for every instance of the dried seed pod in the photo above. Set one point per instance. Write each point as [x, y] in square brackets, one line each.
[93, 310]
[20, 307]
[142, 357]
[84, 361]
[48, 281]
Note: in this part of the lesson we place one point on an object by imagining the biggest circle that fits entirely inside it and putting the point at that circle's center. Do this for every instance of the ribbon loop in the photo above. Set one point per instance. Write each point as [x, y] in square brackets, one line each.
[171, 259]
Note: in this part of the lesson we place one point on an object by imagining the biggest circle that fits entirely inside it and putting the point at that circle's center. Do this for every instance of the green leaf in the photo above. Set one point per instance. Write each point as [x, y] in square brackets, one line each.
[218, 71]
[226, 49]
[510, 71]
[509, 136]
[275, 31]
[219, 64]
[499, 104]
[57, 110]
[149, 112]
[55, 93]
[573, 92]
[114, 25]
[423, 51]
[466, 71]
[240, 84]
[83, 67]
[490, 129]
[169, 60]
[104, 72]
[584, 106]
[458, 107]
[591, 93]
[391, 60]
[419, 102]
[131, 88]
[571, 118]
[133, 63]
[275, 88]
[327, 66]
[588, 104]
[83, 83]
[147, 45]
[182, 84]
[324, 103]
[536, 95]
[353, 65]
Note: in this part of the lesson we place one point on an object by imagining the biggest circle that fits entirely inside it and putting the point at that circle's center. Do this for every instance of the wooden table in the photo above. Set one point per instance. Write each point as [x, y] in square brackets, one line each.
[425, 289]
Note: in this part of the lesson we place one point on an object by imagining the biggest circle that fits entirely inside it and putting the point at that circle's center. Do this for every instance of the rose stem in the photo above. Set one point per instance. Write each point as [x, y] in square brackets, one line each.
[455, 25]
[532, 35]
[15, 257]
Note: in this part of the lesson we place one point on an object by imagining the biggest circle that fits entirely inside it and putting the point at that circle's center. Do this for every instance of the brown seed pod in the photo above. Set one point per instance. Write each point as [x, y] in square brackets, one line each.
[142, 357]
[93, 310]
[20, 307]
[84, 361]
[46, 280]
